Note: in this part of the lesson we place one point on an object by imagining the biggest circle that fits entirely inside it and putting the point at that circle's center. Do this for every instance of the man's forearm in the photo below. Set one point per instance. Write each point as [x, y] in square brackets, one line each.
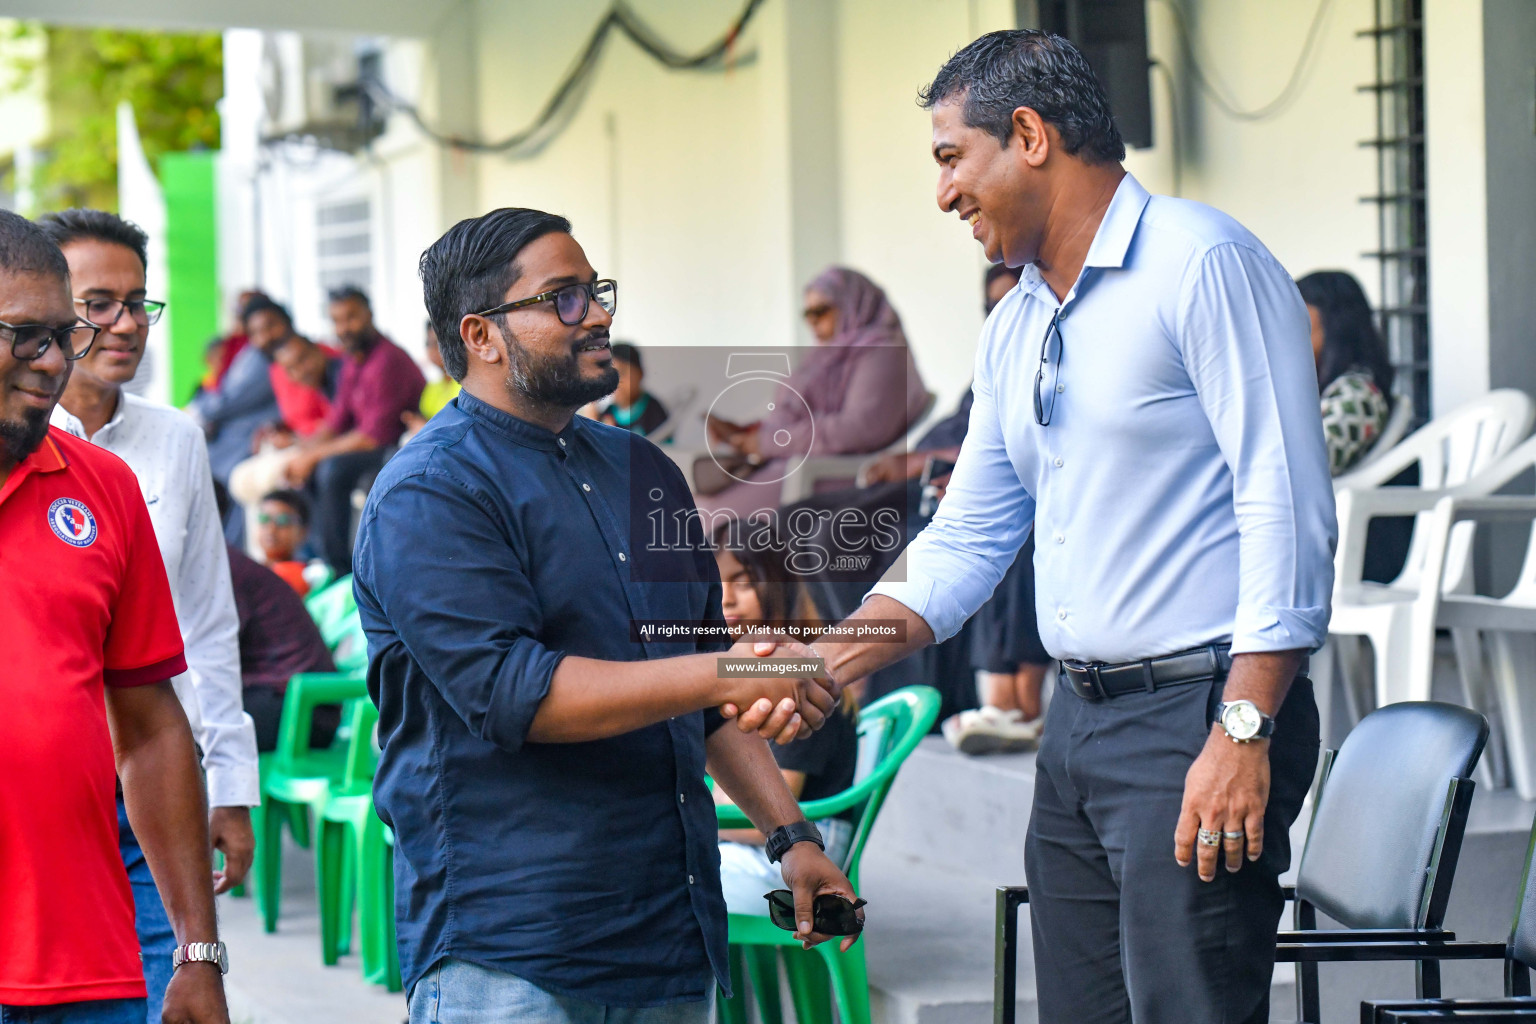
[742, 765]
[163, 790]
[351, 441]
[848, 660]
[590, 699]
[1263, 678]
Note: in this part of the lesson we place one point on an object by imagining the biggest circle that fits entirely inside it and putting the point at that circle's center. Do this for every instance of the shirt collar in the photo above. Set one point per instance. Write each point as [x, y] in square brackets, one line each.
[68, 421]
[529, 435]
[1113, 239]
[47, 457]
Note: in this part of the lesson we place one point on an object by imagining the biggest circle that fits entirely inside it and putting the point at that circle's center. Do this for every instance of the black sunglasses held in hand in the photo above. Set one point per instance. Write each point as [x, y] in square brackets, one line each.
[831, 914]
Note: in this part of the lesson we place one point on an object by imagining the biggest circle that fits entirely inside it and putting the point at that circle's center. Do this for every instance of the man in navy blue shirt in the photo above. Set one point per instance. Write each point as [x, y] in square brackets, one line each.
[543, 763]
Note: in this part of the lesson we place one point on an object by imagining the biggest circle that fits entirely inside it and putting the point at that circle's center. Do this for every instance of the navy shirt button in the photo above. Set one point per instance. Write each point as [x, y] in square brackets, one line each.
[690, 879]
[623, 557]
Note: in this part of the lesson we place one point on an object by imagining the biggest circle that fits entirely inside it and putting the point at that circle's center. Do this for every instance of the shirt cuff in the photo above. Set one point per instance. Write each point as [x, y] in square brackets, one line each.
[928, 602]
[1264, 628]
[233, 786]
[159, 672]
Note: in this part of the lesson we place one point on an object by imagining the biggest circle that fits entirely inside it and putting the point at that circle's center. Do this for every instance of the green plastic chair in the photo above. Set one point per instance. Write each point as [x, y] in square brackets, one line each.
[354, 864]
[334, 611]
[296, 781]
[889, 730]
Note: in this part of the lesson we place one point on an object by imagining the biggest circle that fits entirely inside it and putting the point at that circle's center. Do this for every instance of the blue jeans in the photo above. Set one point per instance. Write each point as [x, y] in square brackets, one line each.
[96, 1011]
[157, 942]
[455, 992]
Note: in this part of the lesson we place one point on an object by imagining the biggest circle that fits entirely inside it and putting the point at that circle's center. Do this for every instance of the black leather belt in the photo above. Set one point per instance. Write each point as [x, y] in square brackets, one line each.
[1095, 680]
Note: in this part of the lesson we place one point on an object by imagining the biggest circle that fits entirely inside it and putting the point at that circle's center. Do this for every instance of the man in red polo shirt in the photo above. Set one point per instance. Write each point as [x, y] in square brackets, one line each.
[92, 643]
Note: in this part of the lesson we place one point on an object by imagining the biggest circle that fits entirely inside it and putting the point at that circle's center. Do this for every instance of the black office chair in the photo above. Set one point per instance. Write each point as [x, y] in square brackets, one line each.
[1381, 852]
[1518, 954]
[1387, 825]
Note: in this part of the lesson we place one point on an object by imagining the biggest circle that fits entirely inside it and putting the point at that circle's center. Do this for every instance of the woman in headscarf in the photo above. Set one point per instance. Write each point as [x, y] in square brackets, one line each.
[855, 393]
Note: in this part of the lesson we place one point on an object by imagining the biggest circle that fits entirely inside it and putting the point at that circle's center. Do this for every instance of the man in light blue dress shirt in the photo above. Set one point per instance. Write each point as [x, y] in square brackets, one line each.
[1146, 400]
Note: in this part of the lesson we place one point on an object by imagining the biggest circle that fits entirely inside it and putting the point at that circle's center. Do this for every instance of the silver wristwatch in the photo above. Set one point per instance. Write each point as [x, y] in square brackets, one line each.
[1244, 722]
[201, 953]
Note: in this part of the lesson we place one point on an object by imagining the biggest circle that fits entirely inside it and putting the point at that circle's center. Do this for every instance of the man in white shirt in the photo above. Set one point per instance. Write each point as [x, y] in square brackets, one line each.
[1146, 401]
[167, 453]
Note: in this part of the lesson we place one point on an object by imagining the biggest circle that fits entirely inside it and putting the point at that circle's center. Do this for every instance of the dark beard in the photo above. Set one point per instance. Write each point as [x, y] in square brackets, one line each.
[556, 381]
[20, 439]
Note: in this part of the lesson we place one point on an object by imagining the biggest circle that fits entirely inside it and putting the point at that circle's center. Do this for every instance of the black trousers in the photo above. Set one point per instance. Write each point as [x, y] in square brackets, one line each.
[331, 491]
[1121, 932]
[265, 706]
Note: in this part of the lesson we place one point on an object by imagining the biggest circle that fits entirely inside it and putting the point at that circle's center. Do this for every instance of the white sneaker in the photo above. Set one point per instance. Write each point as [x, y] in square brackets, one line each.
[992, 730]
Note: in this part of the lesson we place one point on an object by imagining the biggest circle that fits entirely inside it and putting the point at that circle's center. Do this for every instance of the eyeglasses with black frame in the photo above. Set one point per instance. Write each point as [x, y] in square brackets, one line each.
[30, 341]
[1045, 400]
[104, 312]
[831, 914]
[572, 302]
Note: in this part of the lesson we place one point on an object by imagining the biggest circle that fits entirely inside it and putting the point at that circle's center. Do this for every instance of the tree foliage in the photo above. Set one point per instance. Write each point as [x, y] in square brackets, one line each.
[173, 81]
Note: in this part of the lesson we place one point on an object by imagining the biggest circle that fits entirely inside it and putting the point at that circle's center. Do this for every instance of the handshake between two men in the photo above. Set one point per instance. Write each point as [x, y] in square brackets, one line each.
[776, 688]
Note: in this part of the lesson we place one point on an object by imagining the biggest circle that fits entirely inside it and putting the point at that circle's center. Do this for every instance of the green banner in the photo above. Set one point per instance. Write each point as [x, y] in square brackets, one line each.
[192, 263]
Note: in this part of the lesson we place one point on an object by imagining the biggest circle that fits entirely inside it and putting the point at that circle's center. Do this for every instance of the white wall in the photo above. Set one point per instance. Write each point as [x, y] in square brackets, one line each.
[714, 196]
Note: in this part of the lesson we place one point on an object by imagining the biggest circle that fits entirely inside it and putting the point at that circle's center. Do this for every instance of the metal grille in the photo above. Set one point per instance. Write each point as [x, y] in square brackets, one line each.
[1403, 253]
[344, 245]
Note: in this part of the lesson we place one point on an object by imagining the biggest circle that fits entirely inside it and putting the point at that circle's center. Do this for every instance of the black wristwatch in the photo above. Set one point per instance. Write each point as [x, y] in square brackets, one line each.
[786, 836]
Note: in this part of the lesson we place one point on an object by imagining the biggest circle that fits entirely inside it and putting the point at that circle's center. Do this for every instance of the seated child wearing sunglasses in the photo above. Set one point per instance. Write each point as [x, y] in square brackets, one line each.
[760, 590]
[282, 529]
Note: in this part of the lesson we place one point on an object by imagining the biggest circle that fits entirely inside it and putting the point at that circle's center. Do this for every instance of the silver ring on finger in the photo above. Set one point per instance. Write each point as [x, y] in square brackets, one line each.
[1239, 834]
[1208, 837]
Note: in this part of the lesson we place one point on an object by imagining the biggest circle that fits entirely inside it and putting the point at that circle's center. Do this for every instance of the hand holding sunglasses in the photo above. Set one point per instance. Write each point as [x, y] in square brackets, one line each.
[831, 914]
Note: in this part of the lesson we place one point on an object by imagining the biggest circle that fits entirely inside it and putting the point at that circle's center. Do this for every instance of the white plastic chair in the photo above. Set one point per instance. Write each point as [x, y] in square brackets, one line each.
[1502, 685]
[1450, 451]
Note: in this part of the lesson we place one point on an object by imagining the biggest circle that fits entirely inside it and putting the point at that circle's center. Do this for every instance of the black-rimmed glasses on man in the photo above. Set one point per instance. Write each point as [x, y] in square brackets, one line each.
[571, 302]
[1050, 356]
[30, 341]
[104, 312]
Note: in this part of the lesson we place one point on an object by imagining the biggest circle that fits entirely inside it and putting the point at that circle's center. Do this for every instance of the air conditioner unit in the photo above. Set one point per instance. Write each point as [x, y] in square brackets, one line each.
[310, 88]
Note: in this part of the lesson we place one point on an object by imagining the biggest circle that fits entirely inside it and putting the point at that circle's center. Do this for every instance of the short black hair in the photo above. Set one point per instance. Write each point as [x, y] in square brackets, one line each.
[471, 267]
[293, 499]
[1002, 71]
[349, 293]
[260, 304]
[626, 352]
[25, 248]
[73, 225]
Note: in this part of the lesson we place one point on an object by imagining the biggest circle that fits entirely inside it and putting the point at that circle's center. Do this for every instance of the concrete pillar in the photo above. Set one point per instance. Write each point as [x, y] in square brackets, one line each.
[1480, 113]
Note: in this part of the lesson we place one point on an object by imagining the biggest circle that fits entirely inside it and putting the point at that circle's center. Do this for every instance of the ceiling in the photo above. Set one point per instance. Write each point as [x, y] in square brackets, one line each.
[372, 17]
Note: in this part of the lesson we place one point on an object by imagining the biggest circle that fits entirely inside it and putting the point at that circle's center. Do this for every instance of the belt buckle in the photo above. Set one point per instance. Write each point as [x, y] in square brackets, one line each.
[1095, 681]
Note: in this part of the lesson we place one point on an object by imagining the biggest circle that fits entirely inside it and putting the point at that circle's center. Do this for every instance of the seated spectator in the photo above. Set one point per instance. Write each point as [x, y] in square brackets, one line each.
[282, 530]
[758, 589]
[1354, 374]
[213, 364]
[437, 393]
[242, 404]
[997, 656]
[304, 378]
[858, 391]
[379, 382]
[278, 640]
[632, 407]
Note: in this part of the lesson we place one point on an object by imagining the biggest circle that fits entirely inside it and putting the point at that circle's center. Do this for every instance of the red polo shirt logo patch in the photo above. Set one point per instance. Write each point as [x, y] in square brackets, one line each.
[72, 522]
